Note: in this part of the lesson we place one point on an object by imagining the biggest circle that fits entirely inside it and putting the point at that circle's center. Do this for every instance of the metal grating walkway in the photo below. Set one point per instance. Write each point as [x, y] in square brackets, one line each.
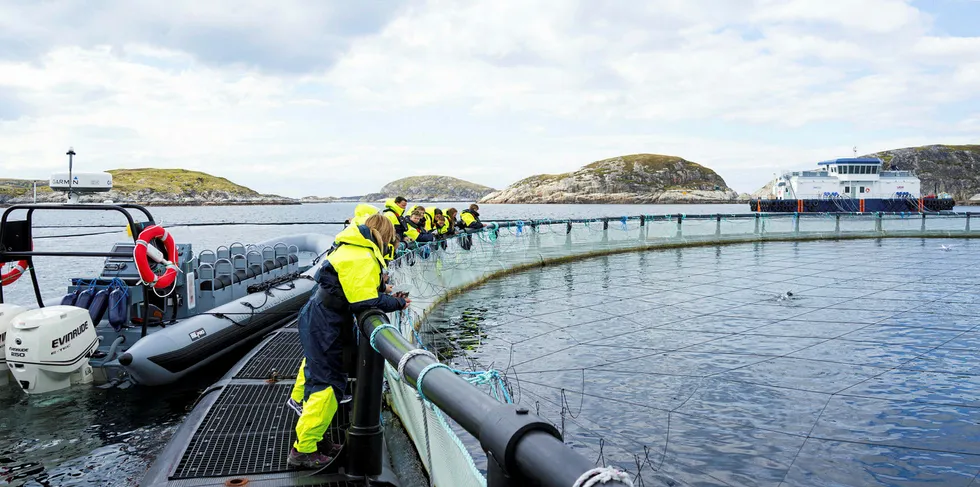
[248, 431]
[282, 354]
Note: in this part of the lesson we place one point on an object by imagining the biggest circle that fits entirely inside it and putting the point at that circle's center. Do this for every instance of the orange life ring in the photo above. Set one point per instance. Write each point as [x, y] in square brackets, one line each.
[14, 274]
[143, 263]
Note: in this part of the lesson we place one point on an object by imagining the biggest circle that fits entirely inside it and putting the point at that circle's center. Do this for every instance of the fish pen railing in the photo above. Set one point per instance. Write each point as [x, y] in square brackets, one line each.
[523, 449]
[436, 271]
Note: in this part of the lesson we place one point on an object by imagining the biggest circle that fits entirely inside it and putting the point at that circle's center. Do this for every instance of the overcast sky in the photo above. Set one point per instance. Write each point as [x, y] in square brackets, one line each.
[338, 98]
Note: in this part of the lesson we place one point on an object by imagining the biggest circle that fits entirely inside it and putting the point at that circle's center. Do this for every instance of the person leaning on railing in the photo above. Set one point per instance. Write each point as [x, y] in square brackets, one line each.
[349, 281]
[394, 211]
[416, 227]
[451, 221]
[470, 218]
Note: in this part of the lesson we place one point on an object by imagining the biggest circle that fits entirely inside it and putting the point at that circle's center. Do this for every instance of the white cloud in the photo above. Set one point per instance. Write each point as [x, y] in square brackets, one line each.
[336, 101]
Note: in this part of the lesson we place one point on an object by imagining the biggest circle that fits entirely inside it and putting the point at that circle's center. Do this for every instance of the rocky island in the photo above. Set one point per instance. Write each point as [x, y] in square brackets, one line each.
[638, 178]
[151, 187]
[419, 188]
[953, 169]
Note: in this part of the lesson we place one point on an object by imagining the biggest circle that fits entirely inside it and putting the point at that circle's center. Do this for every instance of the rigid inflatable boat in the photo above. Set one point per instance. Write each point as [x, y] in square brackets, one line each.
[156, 312]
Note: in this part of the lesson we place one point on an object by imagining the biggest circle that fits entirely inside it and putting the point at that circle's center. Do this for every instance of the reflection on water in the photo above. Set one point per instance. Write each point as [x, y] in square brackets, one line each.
[695, 365]
[85, 435]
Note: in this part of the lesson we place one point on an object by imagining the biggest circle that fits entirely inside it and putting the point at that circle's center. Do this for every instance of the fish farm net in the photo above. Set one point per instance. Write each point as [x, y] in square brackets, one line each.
[682, 332]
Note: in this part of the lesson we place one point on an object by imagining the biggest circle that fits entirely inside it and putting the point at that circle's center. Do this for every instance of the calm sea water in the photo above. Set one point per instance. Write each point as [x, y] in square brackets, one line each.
[90, 437]
[696, 366]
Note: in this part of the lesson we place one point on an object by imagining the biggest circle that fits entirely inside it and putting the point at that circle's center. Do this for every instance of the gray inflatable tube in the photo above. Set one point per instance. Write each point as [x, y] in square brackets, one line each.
[192, 343]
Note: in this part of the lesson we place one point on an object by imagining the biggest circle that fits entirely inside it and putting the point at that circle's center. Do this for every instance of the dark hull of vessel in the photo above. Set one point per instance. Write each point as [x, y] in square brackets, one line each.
[870, 205]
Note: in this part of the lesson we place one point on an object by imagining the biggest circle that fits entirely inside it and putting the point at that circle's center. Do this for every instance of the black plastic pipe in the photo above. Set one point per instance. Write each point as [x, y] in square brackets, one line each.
[522, 448]
[365, 436]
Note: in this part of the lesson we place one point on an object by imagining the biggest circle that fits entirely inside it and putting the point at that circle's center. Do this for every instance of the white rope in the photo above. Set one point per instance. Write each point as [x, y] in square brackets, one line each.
[408, 356]
[601, 475]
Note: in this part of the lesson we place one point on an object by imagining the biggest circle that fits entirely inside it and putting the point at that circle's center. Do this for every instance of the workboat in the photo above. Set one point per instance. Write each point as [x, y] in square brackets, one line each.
[156, 312]
[856, 184]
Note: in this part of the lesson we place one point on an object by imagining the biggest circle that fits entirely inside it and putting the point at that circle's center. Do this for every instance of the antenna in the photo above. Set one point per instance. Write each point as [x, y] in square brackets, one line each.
[71, 155]
[855, 149]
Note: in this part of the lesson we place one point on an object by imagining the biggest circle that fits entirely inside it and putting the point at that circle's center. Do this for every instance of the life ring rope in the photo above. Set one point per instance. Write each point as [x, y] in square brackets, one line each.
[143, 252]
[14, 274]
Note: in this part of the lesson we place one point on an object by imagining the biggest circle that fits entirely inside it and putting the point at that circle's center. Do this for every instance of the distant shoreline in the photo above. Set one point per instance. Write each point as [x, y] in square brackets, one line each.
[167, 203]
[298, 202]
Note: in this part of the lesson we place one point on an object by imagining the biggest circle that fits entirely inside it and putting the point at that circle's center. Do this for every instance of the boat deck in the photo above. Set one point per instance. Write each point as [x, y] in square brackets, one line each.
[241, 430]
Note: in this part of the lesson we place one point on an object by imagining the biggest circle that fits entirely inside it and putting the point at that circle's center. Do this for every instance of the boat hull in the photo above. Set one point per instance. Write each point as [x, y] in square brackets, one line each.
[170, 354]
[870, 205]
[192, 343]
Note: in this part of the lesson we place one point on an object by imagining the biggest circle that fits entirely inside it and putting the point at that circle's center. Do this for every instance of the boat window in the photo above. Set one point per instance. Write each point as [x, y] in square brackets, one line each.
[874, 170]
[847, 189]
[850, 169]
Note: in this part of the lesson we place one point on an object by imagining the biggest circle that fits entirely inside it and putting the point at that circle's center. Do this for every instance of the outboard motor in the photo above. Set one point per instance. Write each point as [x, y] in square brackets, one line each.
[49, 348]
[7, 314]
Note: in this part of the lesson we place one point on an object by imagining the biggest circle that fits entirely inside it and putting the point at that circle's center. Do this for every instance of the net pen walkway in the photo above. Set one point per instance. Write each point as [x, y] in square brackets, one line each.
[241, 430]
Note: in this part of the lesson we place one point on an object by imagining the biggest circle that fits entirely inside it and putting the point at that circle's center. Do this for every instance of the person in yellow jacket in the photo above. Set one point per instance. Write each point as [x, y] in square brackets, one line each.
[295, 402]
[415, 226]
[349, 282]
[361, 213]
[443, 228]
[470, 218]
[394, 212]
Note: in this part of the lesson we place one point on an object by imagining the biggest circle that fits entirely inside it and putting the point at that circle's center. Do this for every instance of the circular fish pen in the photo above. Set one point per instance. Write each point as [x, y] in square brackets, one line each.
[719, 350]
[812, 363]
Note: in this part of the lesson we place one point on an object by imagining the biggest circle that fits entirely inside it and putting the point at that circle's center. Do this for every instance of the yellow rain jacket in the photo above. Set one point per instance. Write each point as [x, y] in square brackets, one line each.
[362, 212]
[350, 279]
[470, 219]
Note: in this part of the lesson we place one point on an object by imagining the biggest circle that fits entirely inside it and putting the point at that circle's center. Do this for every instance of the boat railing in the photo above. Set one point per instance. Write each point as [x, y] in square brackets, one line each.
[16, 236]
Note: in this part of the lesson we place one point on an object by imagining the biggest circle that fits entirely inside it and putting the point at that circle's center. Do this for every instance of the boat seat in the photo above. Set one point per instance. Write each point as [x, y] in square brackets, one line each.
[225, 274]
[282, 254]
[240, 263]
[205, 272]
[206, 257]
[223, 252]
[254, 261]
[237, 248]
[220, 282]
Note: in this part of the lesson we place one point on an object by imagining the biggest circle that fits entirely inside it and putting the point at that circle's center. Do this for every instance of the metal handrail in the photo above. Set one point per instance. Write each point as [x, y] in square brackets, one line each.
[522, 448]
[28, 255]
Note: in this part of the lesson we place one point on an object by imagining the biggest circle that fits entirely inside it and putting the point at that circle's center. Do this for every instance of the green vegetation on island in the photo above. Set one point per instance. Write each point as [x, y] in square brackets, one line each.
[148, 186]
[636, 178]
